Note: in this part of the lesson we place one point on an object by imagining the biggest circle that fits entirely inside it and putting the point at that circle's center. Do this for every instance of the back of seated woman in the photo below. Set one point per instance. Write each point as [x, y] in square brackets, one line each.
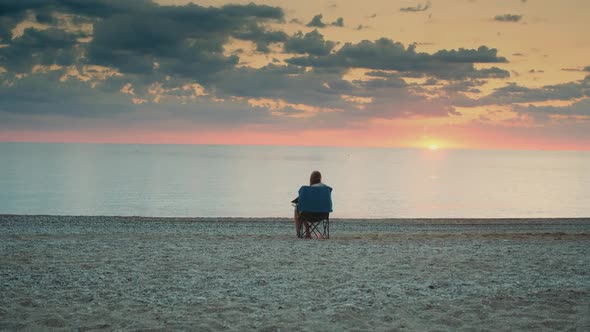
[315, 180]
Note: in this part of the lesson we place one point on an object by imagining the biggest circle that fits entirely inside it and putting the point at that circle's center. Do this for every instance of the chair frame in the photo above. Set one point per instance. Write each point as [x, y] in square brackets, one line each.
[319, 225]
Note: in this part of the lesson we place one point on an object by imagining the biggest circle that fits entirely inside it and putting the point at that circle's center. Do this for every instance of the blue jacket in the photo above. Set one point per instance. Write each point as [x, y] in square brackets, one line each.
[315, 199]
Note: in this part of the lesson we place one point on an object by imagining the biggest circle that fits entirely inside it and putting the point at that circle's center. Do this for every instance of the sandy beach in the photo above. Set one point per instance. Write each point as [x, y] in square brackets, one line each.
[130, 273]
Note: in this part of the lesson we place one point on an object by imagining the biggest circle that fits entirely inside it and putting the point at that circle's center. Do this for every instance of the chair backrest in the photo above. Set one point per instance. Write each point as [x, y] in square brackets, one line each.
[315, 199]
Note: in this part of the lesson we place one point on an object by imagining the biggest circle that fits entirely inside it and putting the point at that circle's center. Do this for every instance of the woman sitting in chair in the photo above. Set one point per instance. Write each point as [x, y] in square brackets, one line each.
[319, 208]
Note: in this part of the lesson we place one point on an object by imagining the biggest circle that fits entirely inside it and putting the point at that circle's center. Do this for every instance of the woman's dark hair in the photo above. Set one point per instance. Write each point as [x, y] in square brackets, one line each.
[316, 177]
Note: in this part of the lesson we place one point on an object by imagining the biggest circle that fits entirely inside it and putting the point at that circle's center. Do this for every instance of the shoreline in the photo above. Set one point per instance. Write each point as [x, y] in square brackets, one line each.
[401, 220]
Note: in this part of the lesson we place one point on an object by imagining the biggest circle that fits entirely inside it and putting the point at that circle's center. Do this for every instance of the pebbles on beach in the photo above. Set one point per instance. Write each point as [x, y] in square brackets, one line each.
[103, 273]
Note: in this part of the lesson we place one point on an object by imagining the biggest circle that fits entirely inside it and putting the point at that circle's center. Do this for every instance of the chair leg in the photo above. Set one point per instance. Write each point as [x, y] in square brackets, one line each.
[313, 227]
[321, 229]
[305, 230]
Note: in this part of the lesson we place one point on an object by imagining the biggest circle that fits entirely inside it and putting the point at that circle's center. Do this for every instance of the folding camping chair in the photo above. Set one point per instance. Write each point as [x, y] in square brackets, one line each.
[314, 206]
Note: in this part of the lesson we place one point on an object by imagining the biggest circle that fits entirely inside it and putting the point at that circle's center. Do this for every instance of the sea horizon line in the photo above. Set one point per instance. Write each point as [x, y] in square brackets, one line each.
[270, 145]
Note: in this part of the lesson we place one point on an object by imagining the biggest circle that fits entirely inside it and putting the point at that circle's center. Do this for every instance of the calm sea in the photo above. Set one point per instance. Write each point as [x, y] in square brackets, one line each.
[245, 181]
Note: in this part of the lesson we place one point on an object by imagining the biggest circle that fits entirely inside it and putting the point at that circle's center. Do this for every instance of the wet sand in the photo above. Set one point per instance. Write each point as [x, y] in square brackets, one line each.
[130, 273]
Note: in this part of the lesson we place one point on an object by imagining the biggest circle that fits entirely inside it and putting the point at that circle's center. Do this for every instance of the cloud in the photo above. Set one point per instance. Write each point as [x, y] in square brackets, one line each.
[513, 93]
[184, 40]
[465, 86]
[33, 95]
[104, 114]
[417, 8]
[483, 54]
[39, 47]
[90, 8]
[579, 110]
[508, 18]
[261, 37]
[385, 54]
[311, 43]
[321, 87]
[134, 36]
[587, 68]
[338, 23]
[156, 51]
[316, 22]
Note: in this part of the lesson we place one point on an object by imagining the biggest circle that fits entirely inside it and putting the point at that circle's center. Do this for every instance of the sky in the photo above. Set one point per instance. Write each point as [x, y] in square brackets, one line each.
[474, 74]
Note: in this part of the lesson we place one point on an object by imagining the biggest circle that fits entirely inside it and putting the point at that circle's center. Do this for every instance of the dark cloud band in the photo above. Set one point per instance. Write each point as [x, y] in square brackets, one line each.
[508, 18]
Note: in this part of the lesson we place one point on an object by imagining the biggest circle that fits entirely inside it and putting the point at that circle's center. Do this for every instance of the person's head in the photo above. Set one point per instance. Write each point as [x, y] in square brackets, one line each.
[316, 177]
